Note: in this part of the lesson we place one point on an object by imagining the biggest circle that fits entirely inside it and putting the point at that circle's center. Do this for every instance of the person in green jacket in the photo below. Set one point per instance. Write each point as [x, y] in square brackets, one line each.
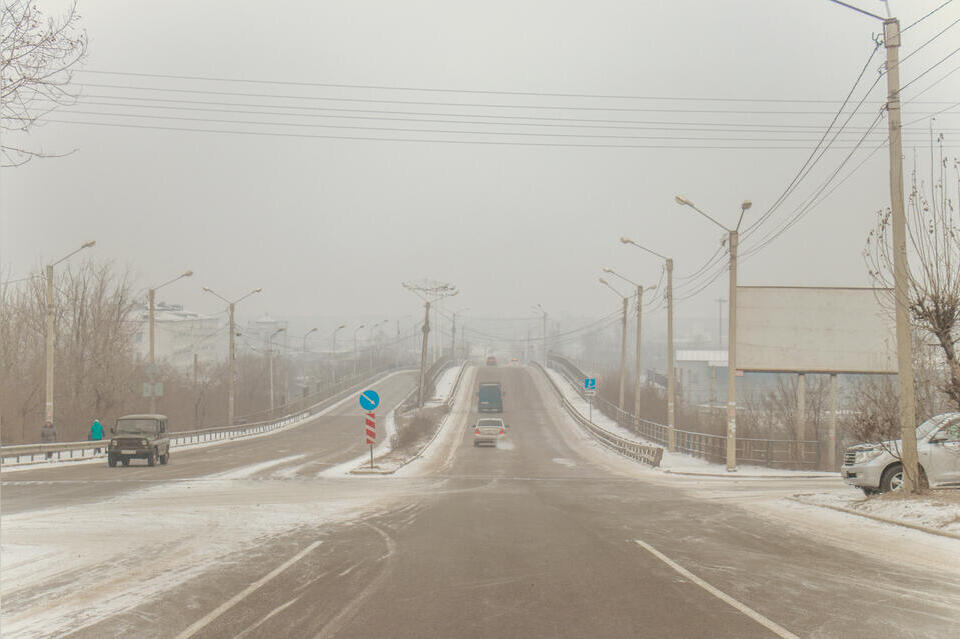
[96, 433]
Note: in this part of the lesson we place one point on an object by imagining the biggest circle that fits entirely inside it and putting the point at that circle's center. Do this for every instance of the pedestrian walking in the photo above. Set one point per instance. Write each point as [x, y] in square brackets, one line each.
[96, 433]
[48, 435]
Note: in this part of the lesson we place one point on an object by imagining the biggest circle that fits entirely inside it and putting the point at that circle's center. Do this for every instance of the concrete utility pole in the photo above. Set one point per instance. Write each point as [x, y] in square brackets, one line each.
[625, 302]
[50, 314]
[671, 349]
[901, 268]
[151, 297]
[732, 240]
[270, 355]
[428, 292]
[232, 355]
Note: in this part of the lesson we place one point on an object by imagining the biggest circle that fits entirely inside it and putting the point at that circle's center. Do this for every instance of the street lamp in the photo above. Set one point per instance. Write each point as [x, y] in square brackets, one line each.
[232, 354]
[312, 330]
[272, 335]
[50, 328]
[733, 239]
[640, 289]
[623, 340]
[333, 350]
[151, 296]
[671, 348]
[356, 350]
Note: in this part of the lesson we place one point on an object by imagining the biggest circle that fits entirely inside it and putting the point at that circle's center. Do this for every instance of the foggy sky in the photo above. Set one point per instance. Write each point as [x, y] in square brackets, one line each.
[331, 227]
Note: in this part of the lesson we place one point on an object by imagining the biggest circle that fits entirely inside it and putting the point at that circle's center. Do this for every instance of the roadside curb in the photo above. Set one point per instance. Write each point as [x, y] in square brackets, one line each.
[736, 476]
[850, 511]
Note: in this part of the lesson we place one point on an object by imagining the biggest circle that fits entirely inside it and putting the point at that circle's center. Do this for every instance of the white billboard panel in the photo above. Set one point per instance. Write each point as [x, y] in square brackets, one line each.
[812, 329]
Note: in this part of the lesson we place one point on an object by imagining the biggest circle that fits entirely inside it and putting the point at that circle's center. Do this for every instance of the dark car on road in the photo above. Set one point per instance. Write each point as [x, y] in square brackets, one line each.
[139, 437]
[489, 398]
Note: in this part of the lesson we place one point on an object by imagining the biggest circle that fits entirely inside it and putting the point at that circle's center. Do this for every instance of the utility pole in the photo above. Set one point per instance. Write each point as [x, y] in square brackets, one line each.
[151, 297]
[732, 356]
[270, 355]
[50, 316]
[637, 386]
[671, 373]
[623, 352]
[901, 269]
[423, 354]
[232, 355]
[428, 292]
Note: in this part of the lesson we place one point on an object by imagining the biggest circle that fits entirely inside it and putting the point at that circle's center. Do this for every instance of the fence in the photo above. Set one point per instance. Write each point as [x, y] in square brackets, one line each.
[626, 447]
[782, 453]
[29, 453]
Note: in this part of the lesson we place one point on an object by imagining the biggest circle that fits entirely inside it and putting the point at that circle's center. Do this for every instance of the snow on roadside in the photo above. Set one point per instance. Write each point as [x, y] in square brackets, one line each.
[386, 429]
[444, 385]
[938, 510]
[671, 462]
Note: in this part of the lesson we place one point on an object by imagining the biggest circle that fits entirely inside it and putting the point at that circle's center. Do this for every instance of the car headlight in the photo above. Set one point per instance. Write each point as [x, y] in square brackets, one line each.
[863, 456]
[143, 442]
[113, 442]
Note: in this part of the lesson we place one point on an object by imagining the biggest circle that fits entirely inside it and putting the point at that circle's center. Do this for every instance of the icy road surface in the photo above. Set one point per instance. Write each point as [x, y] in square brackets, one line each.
[548, 536]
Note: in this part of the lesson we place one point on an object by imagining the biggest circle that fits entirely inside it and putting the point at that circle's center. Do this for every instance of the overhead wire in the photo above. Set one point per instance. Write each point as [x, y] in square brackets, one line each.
[924, 17]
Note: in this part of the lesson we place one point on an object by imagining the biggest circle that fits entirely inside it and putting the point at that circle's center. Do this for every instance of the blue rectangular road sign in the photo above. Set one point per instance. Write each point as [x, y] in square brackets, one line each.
[590, 383]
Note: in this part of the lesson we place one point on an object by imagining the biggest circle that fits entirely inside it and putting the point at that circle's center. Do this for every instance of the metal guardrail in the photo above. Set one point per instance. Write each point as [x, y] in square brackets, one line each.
[713, 448]
[30, 453]
[626, 447]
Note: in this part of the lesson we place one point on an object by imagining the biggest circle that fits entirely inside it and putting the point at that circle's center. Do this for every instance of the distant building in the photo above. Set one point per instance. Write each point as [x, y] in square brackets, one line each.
[180, 335]
[702, 375]
[255, 335]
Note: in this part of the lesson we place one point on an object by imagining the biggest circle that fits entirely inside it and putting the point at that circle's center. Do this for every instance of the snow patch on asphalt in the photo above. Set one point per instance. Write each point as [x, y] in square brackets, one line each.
[246, 472]
[444, 386]
[67, 568]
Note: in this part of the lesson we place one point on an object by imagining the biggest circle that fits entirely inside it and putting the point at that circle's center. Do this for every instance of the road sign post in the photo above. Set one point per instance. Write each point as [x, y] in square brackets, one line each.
[369, 400]
[590, 389]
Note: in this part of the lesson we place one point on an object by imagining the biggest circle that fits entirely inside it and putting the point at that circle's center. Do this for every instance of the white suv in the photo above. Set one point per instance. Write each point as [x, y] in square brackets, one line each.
[876, 468]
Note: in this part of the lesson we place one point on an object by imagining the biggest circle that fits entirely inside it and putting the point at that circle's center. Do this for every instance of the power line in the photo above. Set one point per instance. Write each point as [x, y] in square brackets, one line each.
[916, 22]
[377, 87]
[931, 68]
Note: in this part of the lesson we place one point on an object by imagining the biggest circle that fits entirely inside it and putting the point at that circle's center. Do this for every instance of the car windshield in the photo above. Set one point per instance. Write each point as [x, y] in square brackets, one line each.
[488, 422]
[928, 427]
[136, 426]
[489, 392]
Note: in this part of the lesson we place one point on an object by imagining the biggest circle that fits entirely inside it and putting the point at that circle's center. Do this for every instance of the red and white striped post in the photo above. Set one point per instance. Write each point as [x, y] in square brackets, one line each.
[371, 424]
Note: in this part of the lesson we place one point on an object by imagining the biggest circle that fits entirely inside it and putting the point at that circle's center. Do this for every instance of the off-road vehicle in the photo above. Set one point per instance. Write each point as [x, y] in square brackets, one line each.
[139, 437]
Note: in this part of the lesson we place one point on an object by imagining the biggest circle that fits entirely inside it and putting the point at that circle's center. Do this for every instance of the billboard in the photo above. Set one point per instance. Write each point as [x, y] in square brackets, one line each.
[815, 330]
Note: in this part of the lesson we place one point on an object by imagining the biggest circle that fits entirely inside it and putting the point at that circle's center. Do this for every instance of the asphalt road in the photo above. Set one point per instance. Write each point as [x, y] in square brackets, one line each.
[540, 537]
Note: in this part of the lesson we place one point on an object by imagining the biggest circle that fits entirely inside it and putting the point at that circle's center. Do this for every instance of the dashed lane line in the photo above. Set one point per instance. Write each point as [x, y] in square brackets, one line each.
[773, 627]
[222, 608]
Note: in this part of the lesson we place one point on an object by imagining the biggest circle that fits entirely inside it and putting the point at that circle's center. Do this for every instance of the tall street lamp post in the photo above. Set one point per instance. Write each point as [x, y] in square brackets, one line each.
[333, 350]
[671, 349]
[51, 328]
[640, 290]
[306, 335]
[623, 341]
[543, 330]
[152, 295]
[733, 239]
[272, 335]
[356, 351]
[232, 354]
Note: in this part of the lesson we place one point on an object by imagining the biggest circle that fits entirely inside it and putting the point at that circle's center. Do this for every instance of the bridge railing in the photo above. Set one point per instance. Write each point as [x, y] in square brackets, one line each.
[782, 453]
[626, 447]
[61, 451]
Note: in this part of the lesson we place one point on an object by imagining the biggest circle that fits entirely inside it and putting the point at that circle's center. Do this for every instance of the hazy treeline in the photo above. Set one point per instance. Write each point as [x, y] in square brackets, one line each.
[98, 373]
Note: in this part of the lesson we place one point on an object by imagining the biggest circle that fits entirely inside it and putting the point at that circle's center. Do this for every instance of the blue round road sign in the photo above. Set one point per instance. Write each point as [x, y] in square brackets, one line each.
[369, 400]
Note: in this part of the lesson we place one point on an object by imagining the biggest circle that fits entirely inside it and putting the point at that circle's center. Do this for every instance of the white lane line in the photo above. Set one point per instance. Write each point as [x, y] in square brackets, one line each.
[219, 610]
[773, 627]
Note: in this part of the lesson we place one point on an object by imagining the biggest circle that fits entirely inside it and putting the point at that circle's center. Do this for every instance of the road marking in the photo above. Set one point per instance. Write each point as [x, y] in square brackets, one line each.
[778, 630]
[222, 608]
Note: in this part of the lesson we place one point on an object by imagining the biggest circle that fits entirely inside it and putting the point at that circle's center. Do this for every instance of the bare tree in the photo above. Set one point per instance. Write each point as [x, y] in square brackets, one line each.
[37, 58]
[933, 229]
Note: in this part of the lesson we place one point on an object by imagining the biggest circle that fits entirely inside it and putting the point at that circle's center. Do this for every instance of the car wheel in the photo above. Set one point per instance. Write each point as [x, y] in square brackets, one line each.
[152, 458]
[112, 461]
[165, 458]
[125, 461]
[892, 478]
